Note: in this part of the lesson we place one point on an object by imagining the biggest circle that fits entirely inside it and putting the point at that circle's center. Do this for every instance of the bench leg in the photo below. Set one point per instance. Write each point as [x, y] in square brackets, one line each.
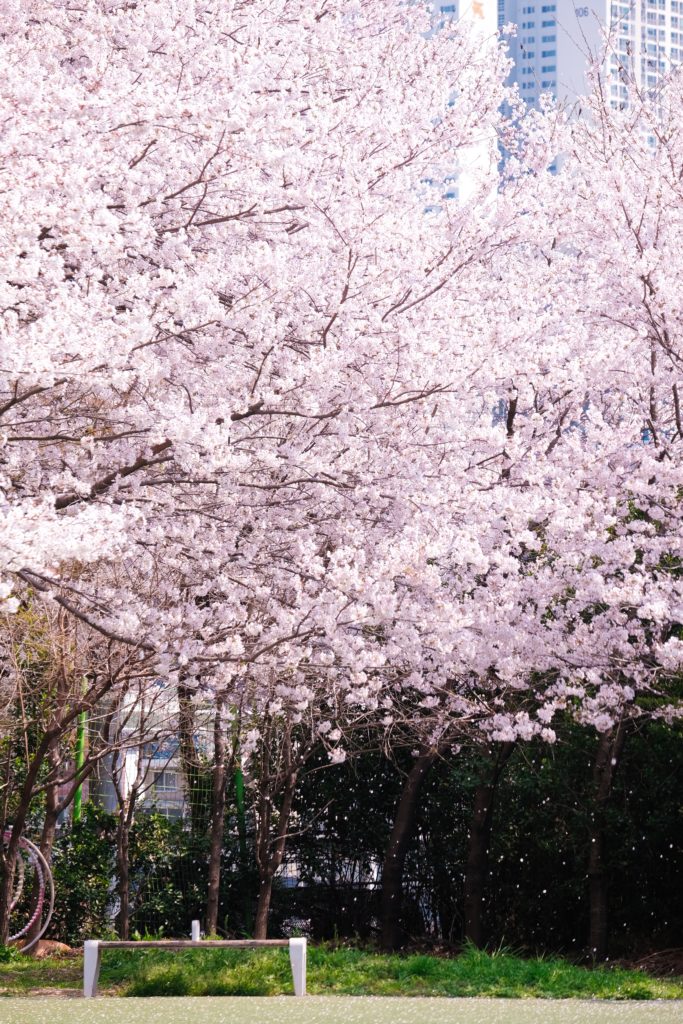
[91, 967]
[297, 958]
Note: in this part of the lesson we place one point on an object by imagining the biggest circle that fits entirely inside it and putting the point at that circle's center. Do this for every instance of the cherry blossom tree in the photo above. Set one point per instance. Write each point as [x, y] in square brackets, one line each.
[274, 410]
[617, 214]
[226, 310]
[216, 307]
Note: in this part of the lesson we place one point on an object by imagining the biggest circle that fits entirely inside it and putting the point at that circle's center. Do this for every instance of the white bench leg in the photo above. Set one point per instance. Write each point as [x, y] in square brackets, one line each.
[196, 933]
[297, 958]
[91, 967]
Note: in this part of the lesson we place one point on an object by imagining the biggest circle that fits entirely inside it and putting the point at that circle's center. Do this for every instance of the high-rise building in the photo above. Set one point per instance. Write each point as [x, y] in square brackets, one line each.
[483, 155]
[556, 39]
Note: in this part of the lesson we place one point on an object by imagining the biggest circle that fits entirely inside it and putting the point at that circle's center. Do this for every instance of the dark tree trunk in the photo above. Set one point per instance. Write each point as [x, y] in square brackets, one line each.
[270, 854]
[610, 746]
[217, 822]
[478, 848]
[395, 855]
[123, 827]
[194, 771]
[6, 888]
[265, 893]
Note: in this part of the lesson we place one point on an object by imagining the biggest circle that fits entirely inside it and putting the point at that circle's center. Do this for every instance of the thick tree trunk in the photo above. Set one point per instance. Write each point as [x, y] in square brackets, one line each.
[265, 893]
[6, 888]
[477, 863]
[395, 855]
[217, 822]
[478, 848]
[597, 894]
[271, 854]
[191, 762]
[610, 746]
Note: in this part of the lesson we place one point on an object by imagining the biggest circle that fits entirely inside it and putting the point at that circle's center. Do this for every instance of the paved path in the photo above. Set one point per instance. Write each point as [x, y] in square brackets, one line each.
[335, 1010]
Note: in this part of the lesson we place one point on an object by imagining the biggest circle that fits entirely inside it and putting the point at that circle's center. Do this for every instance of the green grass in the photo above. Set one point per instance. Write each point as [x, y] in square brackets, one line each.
[337, 972]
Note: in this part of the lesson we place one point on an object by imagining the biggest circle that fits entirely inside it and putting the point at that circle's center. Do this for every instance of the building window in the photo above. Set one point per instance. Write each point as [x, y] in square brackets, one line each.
[548, 39]
[548, 85]
[448, 9]
[548, 53]
[166, 782]
[548, 69]
[528, 10]
[547, 8]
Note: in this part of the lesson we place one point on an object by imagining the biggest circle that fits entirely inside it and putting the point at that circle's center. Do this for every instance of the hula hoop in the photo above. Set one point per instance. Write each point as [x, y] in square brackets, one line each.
[46, 888]
[21, 871]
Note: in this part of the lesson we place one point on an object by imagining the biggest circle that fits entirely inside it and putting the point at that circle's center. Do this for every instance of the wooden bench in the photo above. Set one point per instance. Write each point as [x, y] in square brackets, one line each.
[92, 955]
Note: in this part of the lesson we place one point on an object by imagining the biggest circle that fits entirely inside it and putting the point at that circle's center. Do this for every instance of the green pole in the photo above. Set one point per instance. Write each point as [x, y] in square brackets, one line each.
[80, 761]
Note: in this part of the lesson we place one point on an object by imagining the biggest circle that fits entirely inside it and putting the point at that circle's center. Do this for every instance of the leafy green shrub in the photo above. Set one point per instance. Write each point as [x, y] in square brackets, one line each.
[83, 869]
[167, 876]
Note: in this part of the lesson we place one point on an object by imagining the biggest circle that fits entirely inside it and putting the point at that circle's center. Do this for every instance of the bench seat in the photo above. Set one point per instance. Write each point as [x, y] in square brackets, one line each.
[92, 955]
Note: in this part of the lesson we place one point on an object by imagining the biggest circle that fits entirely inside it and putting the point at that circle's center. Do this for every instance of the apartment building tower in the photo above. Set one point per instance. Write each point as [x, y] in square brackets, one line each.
[556, 39]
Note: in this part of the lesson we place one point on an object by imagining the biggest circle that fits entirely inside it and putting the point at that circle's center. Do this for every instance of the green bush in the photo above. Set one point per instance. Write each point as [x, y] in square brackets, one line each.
[167, 874]
[83, 869]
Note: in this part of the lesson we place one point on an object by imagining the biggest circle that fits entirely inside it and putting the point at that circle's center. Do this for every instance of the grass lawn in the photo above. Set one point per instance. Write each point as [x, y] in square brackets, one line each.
[334, 972]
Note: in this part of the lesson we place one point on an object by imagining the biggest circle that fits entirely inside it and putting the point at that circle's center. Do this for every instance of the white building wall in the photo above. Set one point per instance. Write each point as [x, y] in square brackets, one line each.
[483, 158]
[552, 48]
[555, 41]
